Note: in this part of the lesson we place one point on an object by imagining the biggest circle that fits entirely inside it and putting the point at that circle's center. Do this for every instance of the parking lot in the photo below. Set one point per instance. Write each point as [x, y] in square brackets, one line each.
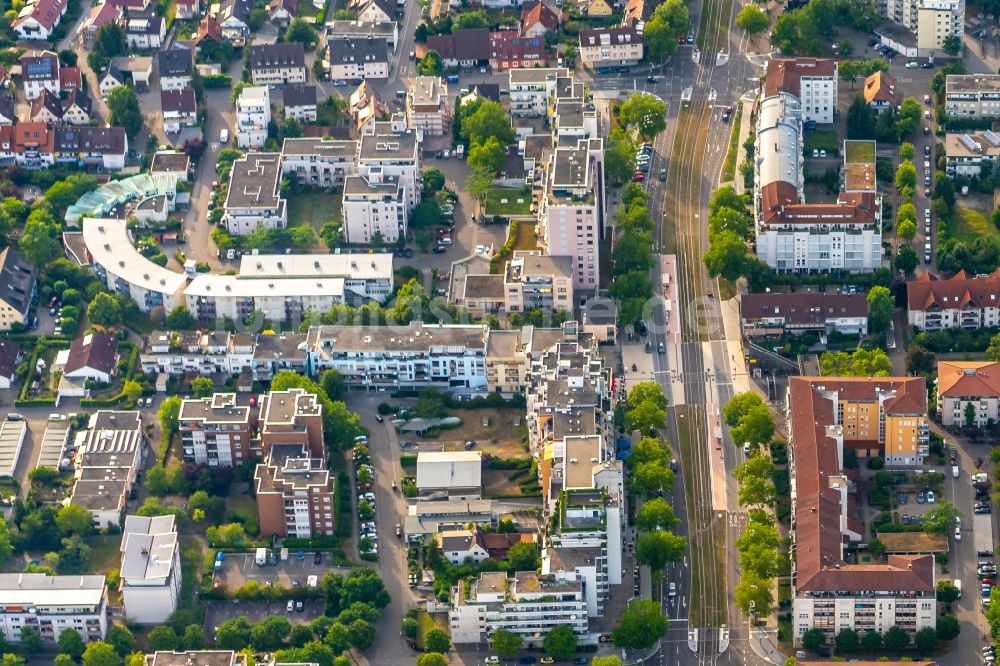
[238, 568]
[218, 612]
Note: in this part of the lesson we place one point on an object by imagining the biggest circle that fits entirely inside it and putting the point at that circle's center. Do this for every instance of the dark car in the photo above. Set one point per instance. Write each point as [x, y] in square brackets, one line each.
[318, 558]
[650, 79]
[379, 418]
[927, 65]
[527, 661]
[690, 38]
[439, 249]
[581, 660]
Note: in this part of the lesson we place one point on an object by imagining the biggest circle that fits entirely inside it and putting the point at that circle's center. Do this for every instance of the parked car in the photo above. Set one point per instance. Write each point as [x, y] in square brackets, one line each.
[930, 497]
[290, 606]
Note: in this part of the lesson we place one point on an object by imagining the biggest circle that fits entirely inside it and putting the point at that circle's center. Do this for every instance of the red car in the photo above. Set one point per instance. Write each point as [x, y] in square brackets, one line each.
[988, 581]
[681, 40]
[639, 177]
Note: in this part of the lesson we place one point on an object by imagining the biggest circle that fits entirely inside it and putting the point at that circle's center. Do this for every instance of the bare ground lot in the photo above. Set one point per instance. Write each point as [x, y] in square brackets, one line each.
[501, 436]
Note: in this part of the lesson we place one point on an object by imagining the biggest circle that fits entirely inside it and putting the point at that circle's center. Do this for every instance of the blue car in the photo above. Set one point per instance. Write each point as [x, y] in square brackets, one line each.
[300, 555]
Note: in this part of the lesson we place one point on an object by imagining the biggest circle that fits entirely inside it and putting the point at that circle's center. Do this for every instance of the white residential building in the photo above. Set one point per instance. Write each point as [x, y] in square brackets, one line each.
[110, 456]
[374, 205]
[967, 388]
[39, 71]
[427, 106]
[205, 353]
[812, 80]
[319, 162]
[392, 149]
[253, 112]
[606, 47]
[961, 301]
[461, 545]
[277, 64]
[967, 153]
[150, 568]
[919, 28]
[526, 604]
[531, 88]
[573, 209]
[972, 95]
[412, 357]
[254, 195]
[358, 59]
[52, 604]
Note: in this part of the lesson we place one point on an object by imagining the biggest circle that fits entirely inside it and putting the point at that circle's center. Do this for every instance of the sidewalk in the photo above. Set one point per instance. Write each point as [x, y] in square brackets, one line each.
[744, 133]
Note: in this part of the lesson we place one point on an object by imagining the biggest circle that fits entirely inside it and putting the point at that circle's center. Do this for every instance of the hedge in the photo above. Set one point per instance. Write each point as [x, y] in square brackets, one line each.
[102, 402]
[506, 249]
[408, 460]
[34, 402]
[217, 81]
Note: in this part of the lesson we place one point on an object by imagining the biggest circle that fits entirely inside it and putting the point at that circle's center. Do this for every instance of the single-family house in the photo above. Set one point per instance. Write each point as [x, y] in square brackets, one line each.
[46, 108]
[461, 545]
[281, 12]
[180, 109]
[10, 356]
[93, 356]
[299, 101]
[375, 11]
[110, 79]
[145, 32]
[234, 20]
[77, 110]
[70, 79]
[188, 9]
[99, 15]
[38, 18]
[595, 7]
[537, 19]
[880, 91]
[175, 67]
[39, 71]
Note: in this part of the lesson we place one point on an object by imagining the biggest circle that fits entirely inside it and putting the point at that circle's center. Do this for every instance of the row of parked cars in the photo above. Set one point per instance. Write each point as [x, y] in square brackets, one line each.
[367, 529]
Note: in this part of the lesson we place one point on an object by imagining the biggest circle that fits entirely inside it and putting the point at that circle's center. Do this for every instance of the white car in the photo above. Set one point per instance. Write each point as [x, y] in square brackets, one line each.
[930, 497]
[912, 64]
[290, 606]
[492, 659]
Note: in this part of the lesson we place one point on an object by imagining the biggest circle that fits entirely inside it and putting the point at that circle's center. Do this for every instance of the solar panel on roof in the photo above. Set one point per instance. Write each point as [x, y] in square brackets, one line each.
[992, 138]
[968, 142]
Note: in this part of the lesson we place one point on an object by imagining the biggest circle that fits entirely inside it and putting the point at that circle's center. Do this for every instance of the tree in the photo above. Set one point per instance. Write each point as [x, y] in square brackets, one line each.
[907, 151]
[645, 417]
[523, 557]
[488, 156]
[906, 175]
[506, 643]
[871, 641]
[632, 253]
[100, 654]
[231, 534]
[488, 119]
[202, 387]
[880, 308]
[906, 229]
[669, 21]
[753, 595]
[612, 660]
[121, 639]
[362, 634]
[756, 487]
[943, 189]
[619, 156]
[726, 256]
[180, 319]
[847, 641]
[907, 259]
[270, 633]
[756, 426]
[896, 639]
[645, 113]
[876, 548]
[948, 627]
[656, 514]
[651, 478]
[942, 517]
[194, 637]
[642, 624]
[908, 119]
[466, 20]
[338, 638]
[163, 638]
[74, 519]
[123, 106]
[432, 659]
[753, 19]
[739, 405]
[926, 640]
[657, 549]
[333, 384]
[560, 642]
[946, 591]
[813, 640]
[39, 241]
[60, 660]
[301, 31]
[860, 363]
[437, 640]
[952, 45]
[70, 642]
[103, 311]
[860, 116]
[919, 360]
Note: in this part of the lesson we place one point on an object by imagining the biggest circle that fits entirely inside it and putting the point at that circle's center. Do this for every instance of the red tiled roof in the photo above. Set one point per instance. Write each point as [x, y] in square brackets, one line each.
[70, 79]
[779, 203]
[209, 29]
[880, 87]
[820, 566]
[506, 45]
[930, 292]
[538, 13]
[785, 74]
[979, 379]
[804, 307]
[46, 12]
[32, 135]
[463, 45]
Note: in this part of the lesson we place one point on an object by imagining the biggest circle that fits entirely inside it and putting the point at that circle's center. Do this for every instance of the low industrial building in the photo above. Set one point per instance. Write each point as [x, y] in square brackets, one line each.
[455, 475]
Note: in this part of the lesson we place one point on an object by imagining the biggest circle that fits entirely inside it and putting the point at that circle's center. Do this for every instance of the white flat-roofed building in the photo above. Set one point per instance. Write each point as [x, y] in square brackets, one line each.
[374, 207]
[110, 456]
[253, 112]
[120, 265]
[604, 47]
[12, 435]
[457, 473]
[207, 353]
[319, 162]
[387, 30]
[392, 149]
[367, 277]
[150, 568]
[573, 209]
[530, 89]
[254, 195]
[54, 442]
[526, 604]
[966, 152]
[972, 95]
[197, 658]
[391, 358]
[427, 106]
[231, 296]
[52, 604]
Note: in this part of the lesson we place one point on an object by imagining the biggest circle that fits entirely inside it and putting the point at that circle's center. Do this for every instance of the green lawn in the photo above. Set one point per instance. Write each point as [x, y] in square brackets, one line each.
[501, 201]
[105, 553]
[729, 166]
[314, 209]
[244, 505]
[526, 239]
[822, 140]
[967, 224]
[860, 151]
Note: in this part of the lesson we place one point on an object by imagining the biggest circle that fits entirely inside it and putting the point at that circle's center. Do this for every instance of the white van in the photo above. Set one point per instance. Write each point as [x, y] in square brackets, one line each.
[224, 136]
[954, 471]
[261, 558]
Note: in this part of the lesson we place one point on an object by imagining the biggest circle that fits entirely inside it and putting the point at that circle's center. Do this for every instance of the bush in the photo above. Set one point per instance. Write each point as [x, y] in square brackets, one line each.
[217, 81]
[385, 408]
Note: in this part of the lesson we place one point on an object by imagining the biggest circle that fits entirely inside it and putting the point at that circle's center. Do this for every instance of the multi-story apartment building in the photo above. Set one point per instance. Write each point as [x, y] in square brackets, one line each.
[253, 113]
[793, 236]
[150, 569]
[358, 59]
[387, 31]
[415, 356]
[319, 162]
[52, 604]
[967, 153]
[39, 71]
[812, 80]
[197, 658]
[206, 353]
[363, 277]
[17, 287]
[277, 64]
[607, 47]
[427, 106]
[829, 593]
[573, 120]
[506, 363]
[292, 417]
[921, 26]
[218, 432]
[962, 301]
[526, 604]
[972, 95]
[572, 214]
[299, 101]
[109, 459]
[776, 313]
[535, 280]
[374, 207]
[968, 393]
[530, 89]
[254, 195]
[392, 149]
